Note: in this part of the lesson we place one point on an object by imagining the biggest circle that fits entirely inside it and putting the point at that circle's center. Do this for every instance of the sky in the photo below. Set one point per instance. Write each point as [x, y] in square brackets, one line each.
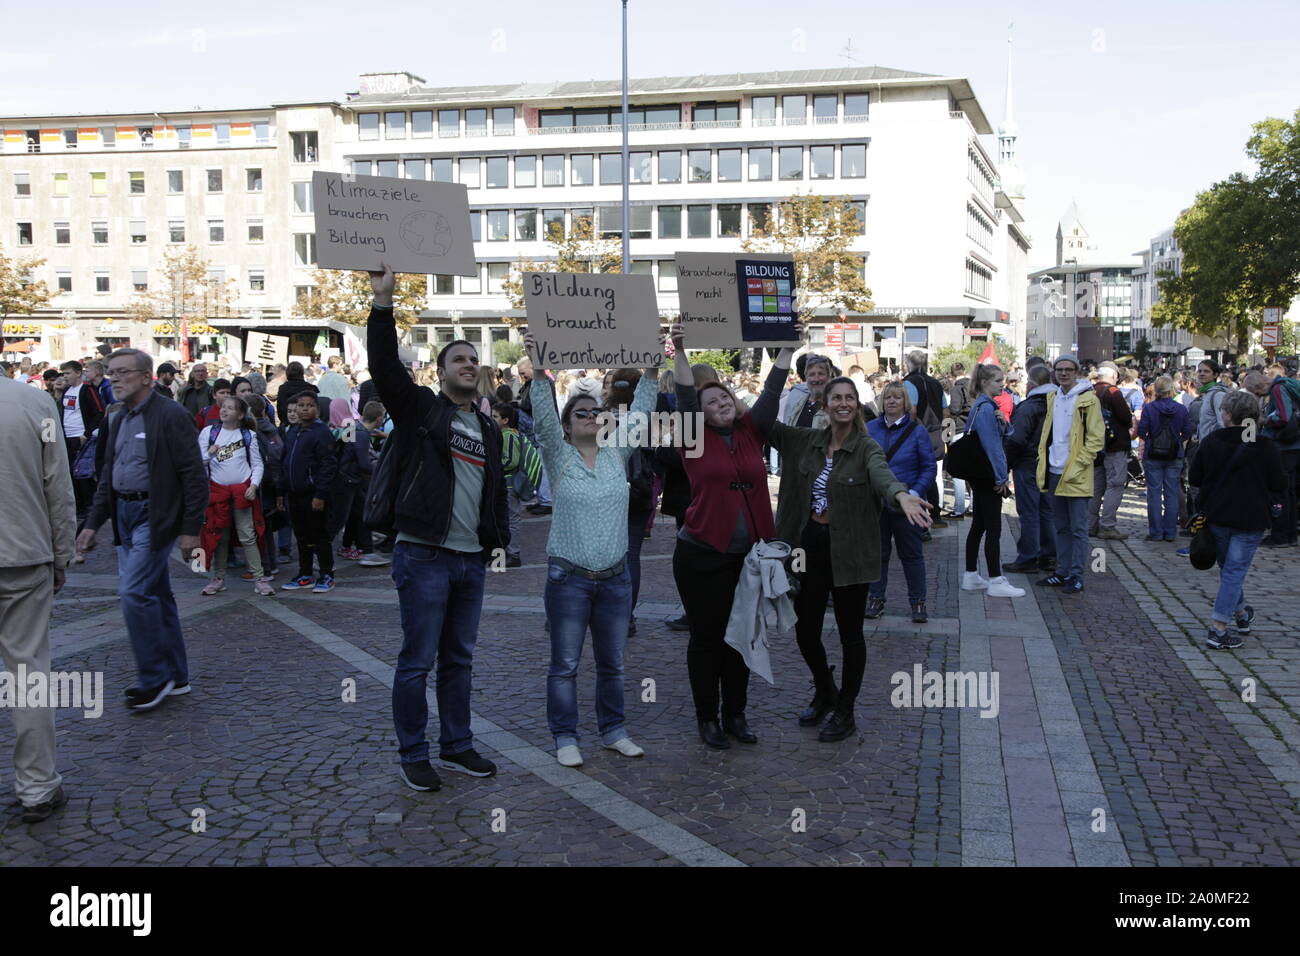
[1126, 108]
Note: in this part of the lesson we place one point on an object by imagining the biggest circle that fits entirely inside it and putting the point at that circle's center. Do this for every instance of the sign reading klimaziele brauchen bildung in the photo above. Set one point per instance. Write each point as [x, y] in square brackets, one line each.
[581, 320]
[413, 225]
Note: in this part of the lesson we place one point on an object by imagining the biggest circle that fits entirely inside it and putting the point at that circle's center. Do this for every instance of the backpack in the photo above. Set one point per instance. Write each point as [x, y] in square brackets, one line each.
[243, 433]
[640, 482]
[1290, 432]
[1162, 445]
[528, 477]
[1108, 428]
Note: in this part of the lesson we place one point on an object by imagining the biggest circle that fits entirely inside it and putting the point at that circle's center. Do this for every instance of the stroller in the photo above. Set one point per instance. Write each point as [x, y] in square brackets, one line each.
[1134, 474]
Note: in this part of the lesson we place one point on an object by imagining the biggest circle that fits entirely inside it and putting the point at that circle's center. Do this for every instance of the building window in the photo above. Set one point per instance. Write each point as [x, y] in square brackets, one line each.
[33, 137]
[22, 184]
[440, 169]
[101, 282]
[301, 293]
[253, 180]
[24, 233]
[580, 170]
[262, 133]
[476, 123]
[64, 281]
[711, 115]
[176, 180]
[497, 273]
[217, 277]
[667, 275]
[728, 219]
[62, 233]
[176, 230]
[760, 163]
[916, 336]
[137, 232]
[498, 225]
[791, 159]
[135, 183]
[98, 184]
[216, 230]
[214, 181]
[223, 134]
[553, 170]
[444, 285]
[304, 249]
[698, 222]
[821, 162]
[99, 233]
[302, 198]
[413, 168]
[859, 209]
[503, 121]
[304, 147]
[825, 108]
[395, 125]
[367, 126]
[525, 225]
[978, 228]
[853, 161]
[61, 185]
[978, 279]
[794, 110]
[184, 137]
[448, 124]
[611, 173]
[498, 172]
[69, 139]
[582, 219]
[639, 168]
[855, 107]
[525, 171]
[670, 166]
[470, 172]
[108, 136]
[421, 124]
[728, 165]
[760, 215]
[256, 280]
[700, 164]
[472, 285]
[763, 110]
[256, 231]
[386, 167]
[553, 224]
[978, 174]
[670, 222]
[611, 222]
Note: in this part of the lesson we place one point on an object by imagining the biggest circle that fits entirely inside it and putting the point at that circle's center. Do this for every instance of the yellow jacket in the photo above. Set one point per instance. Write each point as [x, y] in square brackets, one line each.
[1085, 442]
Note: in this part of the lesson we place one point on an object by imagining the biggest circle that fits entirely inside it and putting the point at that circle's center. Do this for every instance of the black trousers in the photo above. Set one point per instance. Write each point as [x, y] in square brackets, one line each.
[1284, 525]
[83, 489]
[986, 523]
[816, 584]
[706, 580]
[347, 506]
[311, 529]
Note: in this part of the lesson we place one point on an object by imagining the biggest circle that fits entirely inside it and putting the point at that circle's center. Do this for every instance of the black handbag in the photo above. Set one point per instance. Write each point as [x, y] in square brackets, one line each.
[1203, 551]
[968, 460]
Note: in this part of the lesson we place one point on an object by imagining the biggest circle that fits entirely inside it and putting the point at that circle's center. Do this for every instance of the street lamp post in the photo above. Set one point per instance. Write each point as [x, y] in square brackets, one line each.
[626, 172]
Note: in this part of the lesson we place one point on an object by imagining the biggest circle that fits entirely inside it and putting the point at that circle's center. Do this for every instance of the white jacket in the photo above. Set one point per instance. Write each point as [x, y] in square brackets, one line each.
[762, 605]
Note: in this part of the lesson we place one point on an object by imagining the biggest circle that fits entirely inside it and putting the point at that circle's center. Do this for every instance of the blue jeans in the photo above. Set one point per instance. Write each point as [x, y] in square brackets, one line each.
[1162, 497]
[1070, 516]
[636, 525]
[440, 593]
[1037, 532]
[895, 528]
[1236, 549]
[573, 603]
[958, 496]
[148, 606]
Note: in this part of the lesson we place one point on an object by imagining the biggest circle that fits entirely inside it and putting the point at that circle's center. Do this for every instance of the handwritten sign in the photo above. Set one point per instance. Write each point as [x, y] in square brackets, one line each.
[263, 349]
[709, 301]
[413, 225]
[593, 321]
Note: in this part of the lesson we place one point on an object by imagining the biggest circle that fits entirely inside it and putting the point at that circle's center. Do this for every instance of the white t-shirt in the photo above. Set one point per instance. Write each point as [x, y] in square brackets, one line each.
[74, 426]
[225, 458]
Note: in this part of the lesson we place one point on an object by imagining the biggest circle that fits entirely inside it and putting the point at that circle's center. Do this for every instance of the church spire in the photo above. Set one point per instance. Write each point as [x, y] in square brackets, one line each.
[1013, 178]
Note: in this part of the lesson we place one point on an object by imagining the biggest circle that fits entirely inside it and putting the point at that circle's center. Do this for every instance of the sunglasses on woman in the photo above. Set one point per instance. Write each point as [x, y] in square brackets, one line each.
[585, 413]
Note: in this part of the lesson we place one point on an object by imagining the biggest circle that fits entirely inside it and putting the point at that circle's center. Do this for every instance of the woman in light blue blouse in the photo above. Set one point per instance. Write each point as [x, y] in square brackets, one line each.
[587, 580]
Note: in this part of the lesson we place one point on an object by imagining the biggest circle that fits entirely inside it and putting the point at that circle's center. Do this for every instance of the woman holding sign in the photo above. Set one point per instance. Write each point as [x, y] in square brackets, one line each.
[587, 580]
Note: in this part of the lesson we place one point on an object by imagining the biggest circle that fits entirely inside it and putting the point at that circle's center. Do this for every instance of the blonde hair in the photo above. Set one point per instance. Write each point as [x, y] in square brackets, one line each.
[896, 388]
[666, 381]
[487, 382]
[1164, 387]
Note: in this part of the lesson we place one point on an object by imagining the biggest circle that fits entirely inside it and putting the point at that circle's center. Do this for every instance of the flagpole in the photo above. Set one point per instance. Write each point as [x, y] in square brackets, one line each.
[626, 172]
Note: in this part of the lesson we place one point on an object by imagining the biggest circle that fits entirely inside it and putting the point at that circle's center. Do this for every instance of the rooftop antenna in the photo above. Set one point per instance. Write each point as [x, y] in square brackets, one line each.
[847, 53]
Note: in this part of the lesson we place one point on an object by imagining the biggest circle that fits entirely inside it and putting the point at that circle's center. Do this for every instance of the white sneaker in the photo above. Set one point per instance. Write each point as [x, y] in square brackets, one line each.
[971, 581]
[569, 756]
[374, 560]
[626, 748]
[1001, 587]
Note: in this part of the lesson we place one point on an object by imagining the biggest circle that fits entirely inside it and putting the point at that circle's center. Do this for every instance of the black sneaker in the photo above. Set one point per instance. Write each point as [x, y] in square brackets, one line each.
[1022, 567]
[1222, 640]
[147, 698]
[918, 613]
[1047, 564]
[1073, 584]
[42, 811]
[678, 623]
[926, 535]
[180, 690]
[419, 776]
[516, 562]
[938, 523]
[875, 608]
[1053, 581]
[1245, 619]
[468, 761]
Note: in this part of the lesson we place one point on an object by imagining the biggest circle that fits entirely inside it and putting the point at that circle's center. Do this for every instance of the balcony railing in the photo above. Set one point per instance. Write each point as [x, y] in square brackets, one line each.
[693, 124]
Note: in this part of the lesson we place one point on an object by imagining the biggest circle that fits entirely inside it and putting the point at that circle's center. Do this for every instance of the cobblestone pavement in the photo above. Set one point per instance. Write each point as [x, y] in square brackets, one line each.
[1118, 738]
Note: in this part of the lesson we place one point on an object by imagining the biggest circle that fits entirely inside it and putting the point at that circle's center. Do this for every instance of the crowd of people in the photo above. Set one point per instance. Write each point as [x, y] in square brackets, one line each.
[432, 470]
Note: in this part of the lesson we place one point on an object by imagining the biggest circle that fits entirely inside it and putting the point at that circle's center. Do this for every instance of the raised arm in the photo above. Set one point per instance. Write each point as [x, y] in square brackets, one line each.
[765, 409]
[546, 418]
[396, 390]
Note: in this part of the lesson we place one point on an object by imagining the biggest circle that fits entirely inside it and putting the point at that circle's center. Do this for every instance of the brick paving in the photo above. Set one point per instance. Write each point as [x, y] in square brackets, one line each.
[1107, 702]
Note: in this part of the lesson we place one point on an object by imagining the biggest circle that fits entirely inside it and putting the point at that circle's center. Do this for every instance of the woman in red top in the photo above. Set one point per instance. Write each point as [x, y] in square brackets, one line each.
[730, 509]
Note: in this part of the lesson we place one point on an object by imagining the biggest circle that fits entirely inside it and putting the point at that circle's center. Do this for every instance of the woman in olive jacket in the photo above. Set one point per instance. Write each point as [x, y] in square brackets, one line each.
[834, 483]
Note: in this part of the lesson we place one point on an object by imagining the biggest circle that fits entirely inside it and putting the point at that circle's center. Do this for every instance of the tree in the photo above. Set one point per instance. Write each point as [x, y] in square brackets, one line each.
[968, 355]
[186, 288]
[1240, 243]
[506, 352]
[1142, 350]
[346, 297]
[724, 360]
[580, 250]
[20, 294]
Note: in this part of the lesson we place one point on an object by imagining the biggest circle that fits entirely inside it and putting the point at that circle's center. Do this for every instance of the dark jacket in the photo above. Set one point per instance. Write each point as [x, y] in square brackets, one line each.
[271, 445]
[91, 406]
[178, 479]
[367, 392]
[309, 463]
[677, 484]
[1115, 407]
[1156, 414]
[194, 399]
[1237, 492]
[929, 398]
[354, 457]
[1027, 428]
[960, 402]
[291, 390]
[427, 486]
[913, 463]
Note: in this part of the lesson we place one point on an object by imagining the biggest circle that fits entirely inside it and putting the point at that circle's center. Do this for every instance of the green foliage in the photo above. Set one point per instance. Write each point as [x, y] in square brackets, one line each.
[507, 353]
[941, 358]
[1142, 350]
[724, 360]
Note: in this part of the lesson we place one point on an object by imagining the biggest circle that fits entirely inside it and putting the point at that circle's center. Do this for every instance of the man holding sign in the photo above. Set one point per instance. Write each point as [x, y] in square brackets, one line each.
[449, 510]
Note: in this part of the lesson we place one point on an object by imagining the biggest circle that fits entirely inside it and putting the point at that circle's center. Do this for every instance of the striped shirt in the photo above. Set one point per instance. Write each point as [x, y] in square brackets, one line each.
[819, 502]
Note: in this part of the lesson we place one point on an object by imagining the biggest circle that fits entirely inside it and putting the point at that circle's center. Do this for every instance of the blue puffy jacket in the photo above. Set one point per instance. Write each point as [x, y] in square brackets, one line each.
[913, 463]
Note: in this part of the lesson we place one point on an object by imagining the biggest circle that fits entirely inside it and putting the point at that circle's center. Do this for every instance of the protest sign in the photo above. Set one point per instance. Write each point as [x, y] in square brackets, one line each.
[412, 224]
[594, 321]
[303, 360]
[263, 349]
[766, 298]
[709, 302]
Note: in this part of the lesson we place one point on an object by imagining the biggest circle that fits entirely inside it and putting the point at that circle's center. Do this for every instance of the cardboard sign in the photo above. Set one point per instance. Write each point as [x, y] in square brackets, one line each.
[766, 299]
[412, 224]
[710, 305]
[594, 321]
[263, 349]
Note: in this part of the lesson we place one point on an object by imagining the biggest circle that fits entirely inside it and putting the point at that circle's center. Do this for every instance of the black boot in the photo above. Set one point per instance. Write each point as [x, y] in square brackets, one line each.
[738, 727]
[713, 736]
[840, 725]
[822, 703]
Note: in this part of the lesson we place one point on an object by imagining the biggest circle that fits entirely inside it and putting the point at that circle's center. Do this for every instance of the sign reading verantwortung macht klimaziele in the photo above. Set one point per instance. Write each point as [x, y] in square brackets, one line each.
[711, 311]
[410, 224]
[593, 321]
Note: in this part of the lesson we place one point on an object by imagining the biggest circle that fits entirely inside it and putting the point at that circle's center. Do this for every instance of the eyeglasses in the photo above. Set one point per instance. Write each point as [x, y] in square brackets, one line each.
[1065, 368]
[585, 413]
[119, 372]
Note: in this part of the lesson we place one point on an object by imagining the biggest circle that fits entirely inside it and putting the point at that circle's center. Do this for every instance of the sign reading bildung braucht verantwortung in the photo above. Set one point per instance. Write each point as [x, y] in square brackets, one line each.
[593, 321]
[413, 225]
